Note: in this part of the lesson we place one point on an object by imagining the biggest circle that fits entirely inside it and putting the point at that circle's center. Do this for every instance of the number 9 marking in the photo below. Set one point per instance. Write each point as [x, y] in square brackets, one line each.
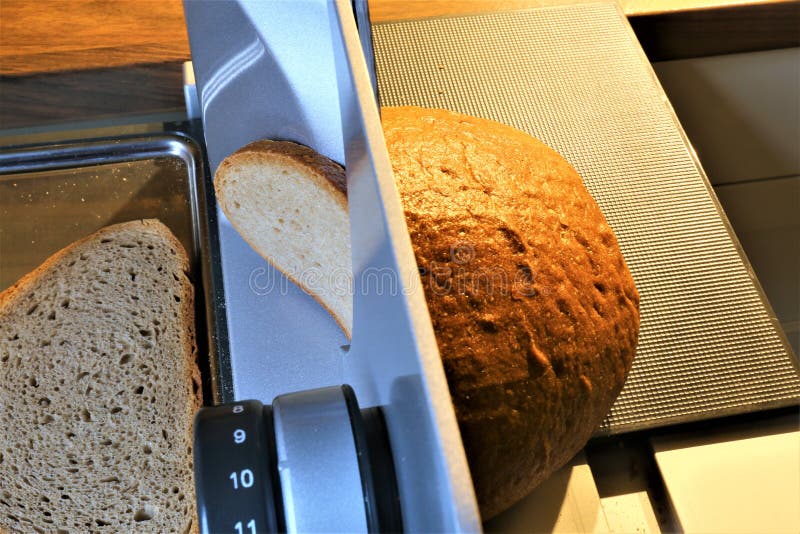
[239, 436]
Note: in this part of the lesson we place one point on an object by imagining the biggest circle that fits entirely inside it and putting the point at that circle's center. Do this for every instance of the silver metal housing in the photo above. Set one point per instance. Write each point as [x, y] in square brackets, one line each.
[318, 463]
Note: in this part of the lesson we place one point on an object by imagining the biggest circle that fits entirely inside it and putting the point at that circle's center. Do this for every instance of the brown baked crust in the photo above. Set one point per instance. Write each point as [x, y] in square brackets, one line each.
[294, 154]
[535, 312]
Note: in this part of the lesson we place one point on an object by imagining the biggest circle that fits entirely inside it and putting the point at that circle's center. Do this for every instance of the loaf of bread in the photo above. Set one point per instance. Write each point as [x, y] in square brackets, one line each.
[98, 388]
[535, 312]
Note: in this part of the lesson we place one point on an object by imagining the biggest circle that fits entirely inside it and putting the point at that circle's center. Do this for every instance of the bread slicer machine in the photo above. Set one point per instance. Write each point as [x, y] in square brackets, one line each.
[313, 460]
[573, 76]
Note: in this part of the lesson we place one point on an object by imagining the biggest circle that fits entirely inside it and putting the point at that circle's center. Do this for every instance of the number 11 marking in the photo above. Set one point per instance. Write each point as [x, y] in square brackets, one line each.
[251, 527]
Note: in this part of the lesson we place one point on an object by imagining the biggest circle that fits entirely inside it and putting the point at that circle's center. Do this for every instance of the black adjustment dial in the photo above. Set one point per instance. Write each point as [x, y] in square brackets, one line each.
[237, 483]
[236, 476]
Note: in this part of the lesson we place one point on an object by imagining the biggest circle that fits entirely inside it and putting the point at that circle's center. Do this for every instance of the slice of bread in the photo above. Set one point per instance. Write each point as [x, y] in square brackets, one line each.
[290, 204]
[98, 387]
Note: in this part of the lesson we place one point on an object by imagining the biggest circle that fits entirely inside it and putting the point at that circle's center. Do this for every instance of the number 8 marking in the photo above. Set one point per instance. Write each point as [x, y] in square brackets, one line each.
[238, 408]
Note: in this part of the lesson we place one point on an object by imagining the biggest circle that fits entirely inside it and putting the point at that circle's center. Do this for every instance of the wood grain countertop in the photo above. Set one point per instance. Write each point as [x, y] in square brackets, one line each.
[66, 59]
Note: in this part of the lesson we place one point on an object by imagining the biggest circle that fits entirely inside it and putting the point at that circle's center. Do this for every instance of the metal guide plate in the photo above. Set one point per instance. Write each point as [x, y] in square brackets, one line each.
[576, 78]
[55, 194]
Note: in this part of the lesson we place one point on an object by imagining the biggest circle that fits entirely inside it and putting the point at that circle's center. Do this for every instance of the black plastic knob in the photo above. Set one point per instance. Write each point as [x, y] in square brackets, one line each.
[236, 478]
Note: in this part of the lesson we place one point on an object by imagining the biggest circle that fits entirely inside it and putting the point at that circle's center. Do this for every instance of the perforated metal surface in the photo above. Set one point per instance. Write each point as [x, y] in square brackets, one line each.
[576, 78]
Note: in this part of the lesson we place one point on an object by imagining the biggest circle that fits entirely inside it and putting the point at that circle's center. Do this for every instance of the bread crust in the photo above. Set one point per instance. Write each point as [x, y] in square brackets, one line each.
[330, 173]
[535, 356]
[14, 298]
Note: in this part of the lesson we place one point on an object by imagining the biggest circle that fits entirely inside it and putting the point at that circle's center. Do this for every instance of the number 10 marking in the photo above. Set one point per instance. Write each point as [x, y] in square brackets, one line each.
[251, 526]
[245, 478]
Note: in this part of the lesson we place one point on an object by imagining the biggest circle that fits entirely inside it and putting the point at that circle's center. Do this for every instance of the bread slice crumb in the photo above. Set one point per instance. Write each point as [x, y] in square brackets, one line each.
[290, 204]
[98, 387]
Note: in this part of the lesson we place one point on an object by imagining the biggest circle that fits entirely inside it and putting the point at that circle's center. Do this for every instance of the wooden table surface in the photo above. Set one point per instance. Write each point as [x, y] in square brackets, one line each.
[65, 35]
[65, 59]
